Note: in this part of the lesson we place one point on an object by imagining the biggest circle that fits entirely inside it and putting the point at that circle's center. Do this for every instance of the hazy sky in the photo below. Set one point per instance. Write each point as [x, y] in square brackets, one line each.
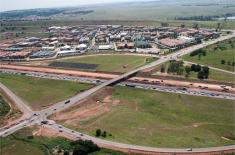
[28, 4]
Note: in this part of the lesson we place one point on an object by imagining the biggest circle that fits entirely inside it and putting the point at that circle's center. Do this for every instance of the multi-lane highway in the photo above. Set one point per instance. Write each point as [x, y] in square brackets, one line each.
[40, 116]
[189, 88]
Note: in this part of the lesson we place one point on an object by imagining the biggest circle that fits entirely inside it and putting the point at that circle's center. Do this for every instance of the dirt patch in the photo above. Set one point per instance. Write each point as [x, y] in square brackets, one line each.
[48, 132]
[94, 107]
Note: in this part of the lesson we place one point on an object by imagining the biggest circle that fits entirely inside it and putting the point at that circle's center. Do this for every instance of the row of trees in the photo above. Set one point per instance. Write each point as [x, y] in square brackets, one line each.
[229, 63]
[198, 18]
[178, 68]
[202, 71]
[100, 133]
[81, 147]
[198, 52]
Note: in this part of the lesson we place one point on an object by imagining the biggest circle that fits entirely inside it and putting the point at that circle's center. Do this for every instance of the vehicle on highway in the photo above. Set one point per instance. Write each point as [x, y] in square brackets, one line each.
[67, 102]
[44, 122]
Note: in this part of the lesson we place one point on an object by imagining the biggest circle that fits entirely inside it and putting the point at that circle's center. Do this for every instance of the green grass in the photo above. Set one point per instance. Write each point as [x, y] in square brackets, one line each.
[214, 75]
[158, 119]
[112, 63]
[221, 76]
[4, 107]
[214, 56]
[38, 92]
[20, 144]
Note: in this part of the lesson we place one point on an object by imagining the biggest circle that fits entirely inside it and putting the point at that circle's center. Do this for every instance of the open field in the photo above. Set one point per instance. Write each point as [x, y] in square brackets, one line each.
[111, 63]
[38, 92]
[215, 53]
[39, 145]
[158, 10]
[153, 118]
[214, 75]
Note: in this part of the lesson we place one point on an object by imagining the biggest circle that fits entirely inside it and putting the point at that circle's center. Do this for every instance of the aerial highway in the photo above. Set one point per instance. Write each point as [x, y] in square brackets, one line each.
[40, 118]
[37, 117]
[189, 88]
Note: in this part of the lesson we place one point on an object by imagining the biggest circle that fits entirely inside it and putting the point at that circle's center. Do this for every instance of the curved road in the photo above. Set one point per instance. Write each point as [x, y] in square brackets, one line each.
[39, 116]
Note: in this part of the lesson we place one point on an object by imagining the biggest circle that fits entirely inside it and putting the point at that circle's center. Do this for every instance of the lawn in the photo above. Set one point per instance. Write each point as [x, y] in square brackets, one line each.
[38, 92]
[157, 119]
[111, 63]
[215, 53]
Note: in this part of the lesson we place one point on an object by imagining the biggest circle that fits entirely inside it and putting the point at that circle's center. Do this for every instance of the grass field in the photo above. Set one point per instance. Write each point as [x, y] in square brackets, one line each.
[214, 75]
[158, 119]
[38, 92]
[112, 63]
[214, 55]
[4, 107]
[38, 145]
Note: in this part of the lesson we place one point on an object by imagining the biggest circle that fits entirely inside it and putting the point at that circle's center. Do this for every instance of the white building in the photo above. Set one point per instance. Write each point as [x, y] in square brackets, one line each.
[105, 47]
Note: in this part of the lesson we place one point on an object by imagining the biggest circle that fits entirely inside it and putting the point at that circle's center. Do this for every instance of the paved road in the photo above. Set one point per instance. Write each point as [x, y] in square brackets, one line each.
[16, 100]
[110, 144]
[218, 69]
[196, 91]
[37, 117]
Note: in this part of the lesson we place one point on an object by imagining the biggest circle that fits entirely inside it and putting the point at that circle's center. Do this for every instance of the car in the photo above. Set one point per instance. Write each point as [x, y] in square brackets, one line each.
[60, 131]
[67, 102]
[44, 122]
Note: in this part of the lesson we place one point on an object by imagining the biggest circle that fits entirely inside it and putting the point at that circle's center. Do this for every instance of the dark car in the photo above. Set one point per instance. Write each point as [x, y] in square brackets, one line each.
[67, 102]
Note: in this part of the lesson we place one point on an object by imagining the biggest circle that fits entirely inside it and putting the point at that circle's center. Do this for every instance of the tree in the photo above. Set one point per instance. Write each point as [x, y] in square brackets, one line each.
[66, 152]
[198, 68]
[98, 133]
[200, 75]
[195, 26]
[205, 70]
[180, 71]
[182, 25]
[193, 66]
[162, 69]
[219, 26]
[199, 56]
[164, 24]
[187, 70]
[229, 63]
[86, 147]
[104, 134]
[223, 62]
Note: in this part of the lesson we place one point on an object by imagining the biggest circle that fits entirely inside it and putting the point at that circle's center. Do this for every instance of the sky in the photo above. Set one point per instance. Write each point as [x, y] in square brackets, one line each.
[6, 5]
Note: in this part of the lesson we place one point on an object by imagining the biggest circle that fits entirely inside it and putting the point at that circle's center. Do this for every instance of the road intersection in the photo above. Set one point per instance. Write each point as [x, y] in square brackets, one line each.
[40, 117]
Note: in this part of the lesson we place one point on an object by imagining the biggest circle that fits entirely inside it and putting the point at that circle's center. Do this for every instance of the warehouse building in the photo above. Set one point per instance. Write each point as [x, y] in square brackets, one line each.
[42, 54]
